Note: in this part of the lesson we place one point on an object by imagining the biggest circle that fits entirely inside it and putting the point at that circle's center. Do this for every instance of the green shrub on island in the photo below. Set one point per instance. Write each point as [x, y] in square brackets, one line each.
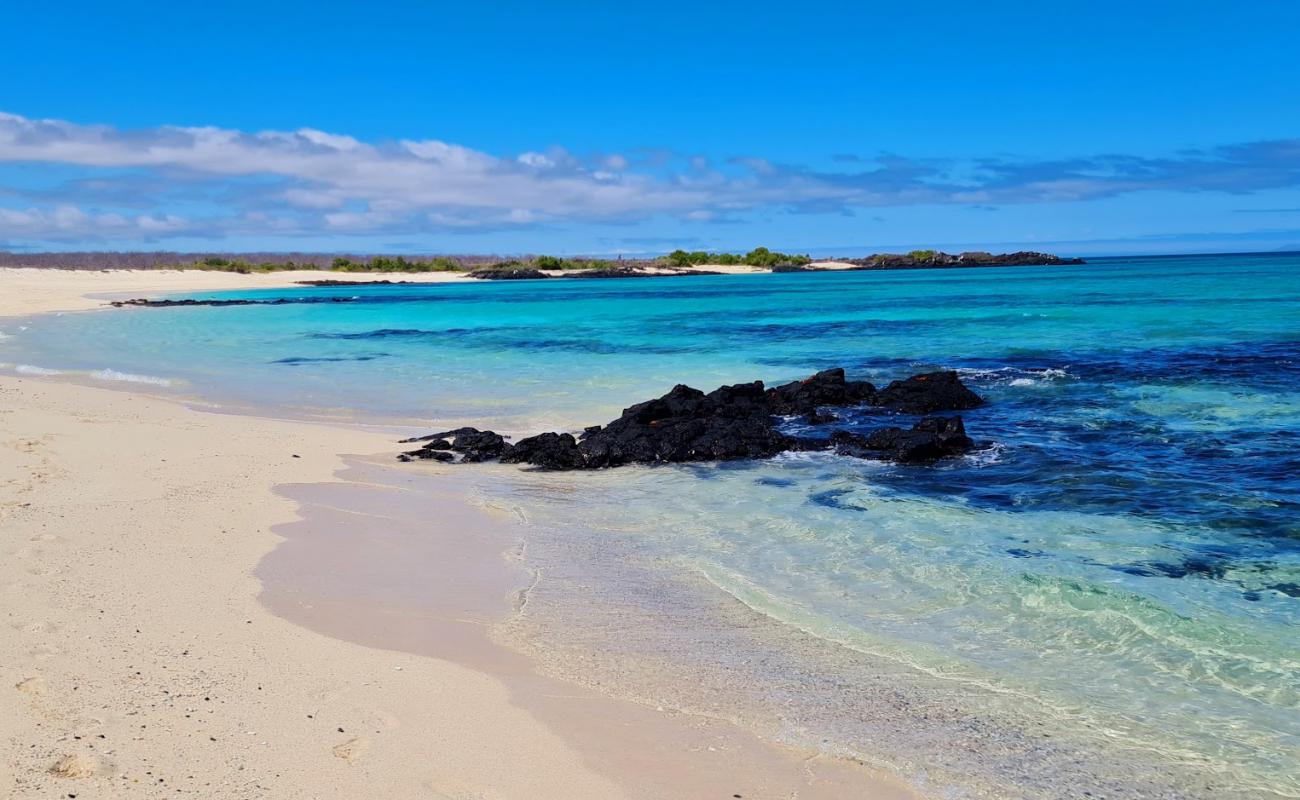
[681, 258]
[240, 266]
[396, 264]
[758, 257]
[557, 263]
[341, 264]
[762, 257]
[549, 262]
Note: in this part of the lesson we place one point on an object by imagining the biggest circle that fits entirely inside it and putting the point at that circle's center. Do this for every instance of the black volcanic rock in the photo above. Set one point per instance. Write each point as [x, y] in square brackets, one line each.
[473, 445]
[687, 425]
[820, 418]
[933, 391]
[443, 435]
[633, 272]
[428, 454]
[546, 450]
[612, 272]
[738, 421]
[929, 440]
[278, 301]
[331, 282]
[931, 259]
[1023, 258]
[140, 301]
[708, 434]
[511, 273]
[826, 388]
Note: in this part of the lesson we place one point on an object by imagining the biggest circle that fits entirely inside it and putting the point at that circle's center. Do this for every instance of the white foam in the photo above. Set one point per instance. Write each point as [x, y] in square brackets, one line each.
[1015, 376]
[31, 369]
[791, 456]
[114, 375]
[992, 454]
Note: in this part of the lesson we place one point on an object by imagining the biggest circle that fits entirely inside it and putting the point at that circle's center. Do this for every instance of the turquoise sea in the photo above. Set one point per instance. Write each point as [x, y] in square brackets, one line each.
[1106, 598]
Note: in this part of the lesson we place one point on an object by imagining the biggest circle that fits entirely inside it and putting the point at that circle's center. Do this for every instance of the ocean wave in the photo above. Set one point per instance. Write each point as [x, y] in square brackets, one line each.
[31, 369]
[1017, 376]
[128, 377]
[803, 457]
[988, 456]
[828, 458]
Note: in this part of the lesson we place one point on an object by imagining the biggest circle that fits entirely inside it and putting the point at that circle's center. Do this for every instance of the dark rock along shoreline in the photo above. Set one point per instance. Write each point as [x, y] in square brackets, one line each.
[278, 301]
[739, 421]
[938, 259]
[929, 259]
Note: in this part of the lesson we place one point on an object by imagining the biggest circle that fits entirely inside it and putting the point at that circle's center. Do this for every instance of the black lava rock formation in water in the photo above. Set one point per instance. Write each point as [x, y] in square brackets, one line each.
[734, 422]
[278, 301]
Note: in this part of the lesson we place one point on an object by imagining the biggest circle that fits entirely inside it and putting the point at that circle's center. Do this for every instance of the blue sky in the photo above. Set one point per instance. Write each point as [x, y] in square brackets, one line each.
[600, 128]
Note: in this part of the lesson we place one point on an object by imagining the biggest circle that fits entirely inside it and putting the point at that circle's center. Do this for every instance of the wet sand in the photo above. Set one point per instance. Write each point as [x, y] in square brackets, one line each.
[363, 564]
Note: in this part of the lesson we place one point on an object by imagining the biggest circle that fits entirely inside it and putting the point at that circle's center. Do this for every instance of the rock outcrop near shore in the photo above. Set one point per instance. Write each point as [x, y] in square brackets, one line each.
[523, 272]
[634, 272]
[933, 391]
[741, 421]
[278, 301]
[336, 283]
[514, 272]
[929, 259]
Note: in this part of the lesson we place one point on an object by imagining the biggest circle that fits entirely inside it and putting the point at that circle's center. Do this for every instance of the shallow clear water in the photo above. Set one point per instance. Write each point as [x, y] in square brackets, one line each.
[1124, 556]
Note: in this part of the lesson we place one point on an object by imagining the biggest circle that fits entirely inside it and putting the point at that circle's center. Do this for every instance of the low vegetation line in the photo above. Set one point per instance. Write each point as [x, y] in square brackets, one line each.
[539, 265]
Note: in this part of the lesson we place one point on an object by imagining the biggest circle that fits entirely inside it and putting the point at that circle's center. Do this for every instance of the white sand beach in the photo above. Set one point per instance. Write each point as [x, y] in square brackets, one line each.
[138, 661]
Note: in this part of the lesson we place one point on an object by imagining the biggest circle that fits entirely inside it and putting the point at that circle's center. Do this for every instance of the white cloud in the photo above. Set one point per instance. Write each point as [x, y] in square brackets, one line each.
[165, 224]
[313, 198]
[329, 140]
[412, 175]
[69, 223]
[535, 160]
[307, 181]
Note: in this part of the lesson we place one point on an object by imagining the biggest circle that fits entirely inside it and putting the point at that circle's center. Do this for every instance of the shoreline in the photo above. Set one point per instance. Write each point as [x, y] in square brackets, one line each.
[117, 504]
[338, 572]
[51, 289]
[40, 290]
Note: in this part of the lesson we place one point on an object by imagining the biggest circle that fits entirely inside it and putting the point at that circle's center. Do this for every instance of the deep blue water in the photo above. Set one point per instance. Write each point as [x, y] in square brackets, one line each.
[1127, 547]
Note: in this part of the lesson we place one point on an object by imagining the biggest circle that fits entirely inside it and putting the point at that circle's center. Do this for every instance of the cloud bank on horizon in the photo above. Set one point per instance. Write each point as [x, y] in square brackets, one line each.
[72, 185]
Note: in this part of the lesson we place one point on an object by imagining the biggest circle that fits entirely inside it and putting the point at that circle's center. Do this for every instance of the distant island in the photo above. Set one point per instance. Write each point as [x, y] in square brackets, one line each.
[678, 262]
